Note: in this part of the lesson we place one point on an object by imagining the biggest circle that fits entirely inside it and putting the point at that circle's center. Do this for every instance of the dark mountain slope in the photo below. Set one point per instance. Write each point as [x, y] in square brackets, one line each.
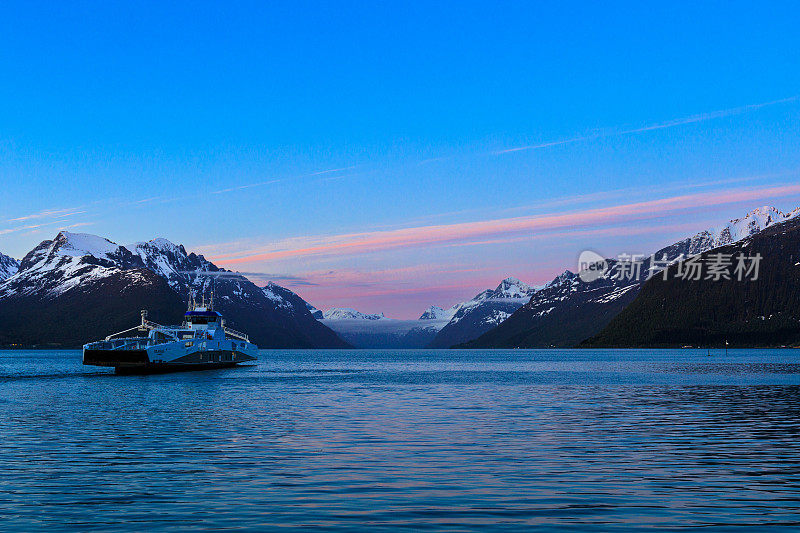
[562, 314]
[296, 310]
[569, 310]
[679, 312]
[90, 311]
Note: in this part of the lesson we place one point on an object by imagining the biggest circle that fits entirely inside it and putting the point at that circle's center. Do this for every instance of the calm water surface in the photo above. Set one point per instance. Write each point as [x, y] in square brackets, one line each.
[590, 440]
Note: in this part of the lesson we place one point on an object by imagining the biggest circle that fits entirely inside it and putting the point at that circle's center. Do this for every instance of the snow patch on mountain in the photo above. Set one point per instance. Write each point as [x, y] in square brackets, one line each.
[8, 267]
[513, 288]
[83, 244]
[567, 277]
[271, 291]
[495, 317]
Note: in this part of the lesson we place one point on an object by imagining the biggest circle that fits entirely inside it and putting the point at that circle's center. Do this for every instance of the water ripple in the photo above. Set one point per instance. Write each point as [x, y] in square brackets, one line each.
[456, 441]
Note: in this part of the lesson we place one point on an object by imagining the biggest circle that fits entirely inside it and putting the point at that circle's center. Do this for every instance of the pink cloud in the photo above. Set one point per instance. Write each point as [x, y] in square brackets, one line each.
[359, 243]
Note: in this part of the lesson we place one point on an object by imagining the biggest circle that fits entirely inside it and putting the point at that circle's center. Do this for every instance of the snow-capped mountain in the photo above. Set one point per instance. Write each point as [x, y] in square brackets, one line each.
[568, 310]
[513, 288]
[244, 304]
[734, 231]
[8, 266]
[485, 311]
[377, 331]
[84, 286]
[171, 262]
[63, 294]
[345, 313]
[437, 313]
[70, 260]
[84, 244]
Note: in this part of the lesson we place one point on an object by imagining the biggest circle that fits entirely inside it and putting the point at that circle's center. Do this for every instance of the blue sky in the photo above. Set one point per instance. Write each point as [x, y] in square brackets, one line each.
[365, 154]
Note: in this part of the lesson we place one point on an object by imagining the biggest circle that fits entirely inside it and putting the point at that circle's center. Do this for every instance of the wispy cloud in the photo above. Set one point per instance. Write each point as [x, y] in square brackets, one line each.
[49, 213]
[331, 170]
[692, 119]
[76, 225]
[248, 186]
[8, 231]
[605, 232]
[367, 242]
[547, 144]
[277, 180]
[702, 117]
[283, 278]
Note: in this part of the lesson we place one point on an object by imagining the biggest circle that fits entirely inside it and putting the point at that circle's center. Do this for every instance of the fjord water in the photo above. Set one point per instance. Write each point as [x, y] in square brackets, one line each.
[454, 440]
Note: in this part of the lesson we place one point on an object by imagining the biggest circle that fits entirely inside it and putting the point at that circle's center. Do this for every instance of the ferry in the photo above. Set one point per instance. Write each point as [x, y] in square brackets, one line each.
[202, 342]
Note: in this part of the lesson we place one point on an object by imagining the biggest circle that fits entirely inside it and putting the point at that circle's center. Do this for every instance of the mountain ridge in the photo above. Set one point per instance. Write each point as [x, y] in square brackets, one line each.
[569, 310]
[484, 311]
[82, 272]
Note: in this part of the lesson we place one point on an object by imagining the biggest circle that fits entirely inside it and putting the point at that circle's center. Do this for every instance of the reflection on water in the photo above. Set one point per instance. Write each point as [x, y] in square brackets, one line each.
[449, 440]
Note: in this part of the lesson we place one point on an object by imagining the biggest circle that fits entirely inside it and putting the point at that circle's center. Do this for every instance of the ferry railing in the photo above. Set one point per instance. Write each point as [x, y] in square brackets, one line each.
[237, 334]
[129, 343]
[146, 325]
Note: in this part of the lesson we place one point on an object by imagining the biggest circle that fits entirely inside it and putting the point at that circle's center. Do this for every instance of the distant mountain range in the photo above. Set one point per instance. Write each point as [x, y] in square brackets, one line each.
[436, 327]
[364, 330]
[345, 313]
[80, 287]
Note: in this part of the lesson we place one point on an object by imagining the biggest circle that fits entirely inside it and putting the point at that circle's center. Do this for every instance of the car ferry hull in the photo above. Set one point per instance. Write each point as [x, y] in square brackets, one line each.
[139, 362]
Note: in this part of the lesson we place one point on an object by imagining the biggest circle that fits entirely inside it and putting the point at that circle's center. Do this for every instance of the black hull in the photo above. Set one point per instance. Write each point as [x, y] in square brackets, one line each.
[116, 358]
[137, 361]
[165, 368]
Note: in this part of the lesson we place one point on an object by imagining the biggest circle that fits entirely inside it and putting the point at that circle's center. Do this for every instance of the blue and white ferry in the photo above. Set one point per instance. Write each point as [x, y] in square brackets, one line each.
[201, 342]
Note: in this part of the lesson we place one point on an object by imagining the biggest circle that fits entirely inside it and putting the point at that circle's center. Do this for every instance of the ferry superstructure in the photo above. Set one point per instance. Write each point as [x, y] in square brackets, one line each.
[201, 342]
